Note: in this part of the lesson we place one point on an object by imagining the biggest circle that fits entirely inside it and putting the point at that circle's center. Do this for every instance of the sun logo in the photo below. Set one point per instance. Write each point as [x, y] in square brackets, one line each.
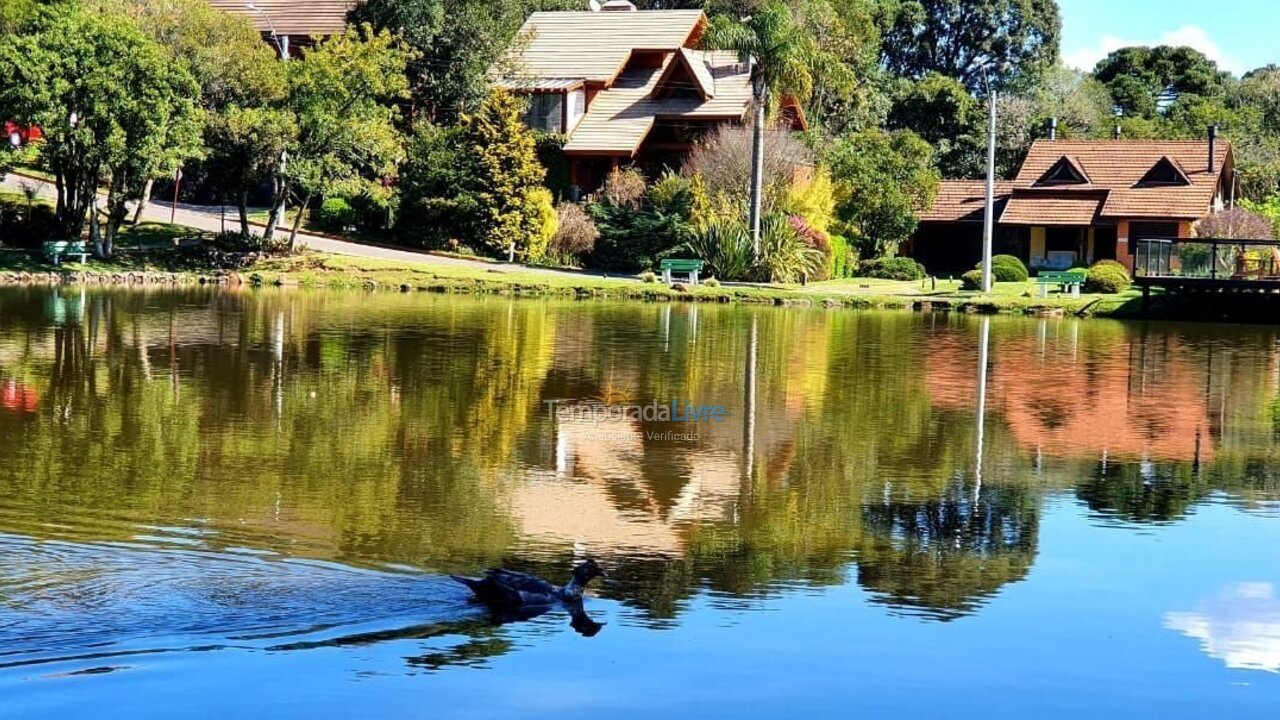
[614, 394]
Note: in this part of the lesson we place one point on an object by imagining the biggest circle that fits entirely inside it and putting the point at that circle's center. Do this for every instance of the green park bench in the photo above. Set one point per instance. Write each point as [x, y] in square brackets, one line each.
[690, 268]
[60, 248]
[1067, 281]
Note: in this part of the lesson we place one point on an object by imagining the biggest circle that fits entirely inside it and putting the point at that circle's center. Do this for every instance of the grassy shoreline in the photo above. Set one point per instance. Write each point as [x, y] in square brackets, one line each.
[321, 270]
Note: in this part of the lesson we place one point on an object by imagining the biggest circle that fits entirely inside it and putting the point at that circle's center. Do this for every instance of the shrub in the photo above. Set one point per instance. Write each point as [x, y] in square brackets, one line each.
[843, 261]
[892, 268]
[711, 282]
[373, 211]
[971, 280]
[1111, 263]
[813, 197]
[723, 161]
[234, 241]
[1235, 223]
[541, 212]
[336, 214]
[27, 226]
[550, 149]
[576, 235]
[1007, 268]
[816, 239]
[625, 188]
[725, 247]
[648, 276]
[785, 256]
[1107, 278]
[636, 233]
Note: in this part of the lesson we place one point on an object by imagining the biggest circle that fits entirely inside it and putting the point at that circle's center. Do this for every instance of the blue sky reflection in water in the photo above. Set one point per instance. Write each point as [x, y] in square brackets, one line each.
[219, 503]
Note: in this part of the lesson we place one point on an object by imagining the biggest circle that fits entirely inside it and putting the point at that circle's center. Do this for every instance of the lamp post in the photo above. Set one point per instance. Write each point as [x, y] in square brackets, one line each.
[280, 41]
[988, 219]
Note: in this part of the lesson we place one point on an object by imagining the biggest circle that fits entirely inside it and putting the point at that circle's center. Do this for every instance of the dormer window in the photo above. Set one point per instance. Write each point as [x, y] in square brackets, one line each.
[1064, 172]
[1164, 172]
[687, 76]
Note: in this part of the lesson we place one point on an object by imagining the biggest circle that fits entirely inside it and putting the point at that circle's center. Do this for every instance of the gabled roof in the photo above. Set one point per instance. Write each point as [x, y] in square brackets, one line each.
[1066, 171]
[697, 75]
[293, 17]
[620, 117]
[965, 201]
[1166, 171]
[1053, 208]
[1118, 167]
[595, 46]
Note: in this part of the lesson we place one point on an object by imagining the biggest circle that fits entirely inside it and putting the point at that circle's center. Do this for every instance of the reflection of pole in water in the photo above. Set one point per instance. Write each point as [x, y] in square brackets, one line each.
[749, 406]
[984, 342]
[277, 351]
[666, 327]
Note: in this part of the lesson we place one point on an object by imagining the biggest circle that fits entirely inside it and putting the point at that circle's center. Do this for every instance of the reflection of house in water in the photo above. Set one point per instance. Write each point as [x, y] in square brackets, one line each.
[1062, 396]
[621, 489]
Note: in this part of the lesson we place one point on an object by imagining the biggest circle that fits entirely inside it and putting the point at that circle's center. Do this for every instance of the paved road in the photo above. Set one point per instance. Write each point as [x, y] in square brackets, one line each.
[210, 218]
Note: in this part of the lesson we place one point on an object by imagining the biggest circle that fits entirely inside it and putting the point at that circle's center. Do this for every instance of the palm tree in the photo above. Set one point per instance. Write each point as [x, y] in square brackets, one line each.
[780, 54]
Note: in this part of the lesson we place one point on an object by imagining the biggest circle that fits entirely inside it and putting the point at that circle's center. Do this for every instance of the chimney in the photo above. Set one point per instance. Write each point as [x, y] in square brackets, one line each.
[1053, 128]
[1213, 147]
[1117, 133]
[618, 6]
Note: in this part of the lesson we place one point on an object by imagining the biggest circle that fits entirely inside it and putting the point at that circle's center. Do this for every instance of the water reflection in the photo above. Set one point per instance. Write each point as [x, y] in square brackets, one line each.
[913, 454]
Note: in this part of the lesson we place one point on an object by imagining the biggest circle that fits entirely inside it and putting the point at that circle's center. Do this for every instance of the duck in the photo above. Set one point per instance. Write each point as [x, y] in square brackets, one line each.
[506, 591]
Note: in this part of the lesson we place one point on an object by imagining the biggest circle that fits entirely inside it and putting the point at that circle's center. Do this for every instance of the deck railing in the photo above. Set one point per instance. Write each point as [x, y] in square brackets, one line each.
[1207, 258]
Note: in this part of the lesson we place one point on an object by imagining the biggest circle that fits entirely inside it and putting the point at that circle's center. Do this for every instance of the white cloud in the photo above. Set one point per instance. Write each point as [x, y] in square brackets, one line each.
[1240, 627]
[1192, 36]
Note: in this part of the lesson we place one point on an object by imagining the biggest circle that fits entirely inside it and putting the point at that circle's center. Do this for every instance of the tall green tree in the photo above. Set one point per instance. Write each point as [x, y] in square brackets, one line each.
[941, 110]
[226, 56]
[341, 96]
[455, 44]
[781, 56]
[971, 40]
[1136, 77]
[884, 181]
[478, 183]
[245, 145]
[110, 101]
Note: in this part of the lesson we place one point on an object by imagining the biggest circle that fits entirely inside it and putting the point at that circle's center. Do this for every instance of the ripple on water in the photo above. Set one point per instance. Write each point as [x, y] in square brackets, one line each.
[76, 600]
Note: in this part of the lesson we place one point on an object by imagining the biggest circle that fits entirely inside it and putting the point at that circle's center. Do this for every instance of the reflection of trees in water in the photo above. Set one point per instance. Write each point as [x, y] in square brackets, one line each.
[396, 429]
[1142, 492]
[944, 557]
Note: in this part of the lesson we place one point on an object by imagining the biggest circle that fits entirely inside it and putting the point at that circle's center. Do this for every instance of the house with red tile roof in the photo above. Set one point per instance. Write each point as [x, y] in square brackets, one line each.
[1078, 201]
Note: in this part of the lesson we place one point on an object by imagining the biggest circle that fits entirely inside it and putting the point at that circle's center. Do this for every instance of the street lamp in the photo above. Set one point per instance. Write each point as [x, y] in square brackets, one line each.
[989, 219]
[281, 41]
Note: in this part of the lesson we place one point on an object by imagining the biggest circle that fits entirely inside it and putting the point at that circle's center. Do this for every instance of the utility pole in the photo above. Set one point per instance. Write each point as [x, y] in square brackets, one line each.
[989, 220]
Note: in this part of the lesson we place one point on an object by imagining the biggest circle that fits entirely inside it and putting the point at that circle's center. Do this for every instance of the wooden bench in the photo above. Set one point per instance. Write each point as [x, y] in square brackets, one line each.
[59, 248]
[690, 268]
[1069, 281]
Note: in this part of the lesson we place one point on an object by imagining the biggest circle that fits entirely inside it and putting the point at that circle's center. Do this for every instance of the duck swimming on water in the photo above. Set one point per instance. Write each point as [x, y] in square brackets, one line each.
[509, 592]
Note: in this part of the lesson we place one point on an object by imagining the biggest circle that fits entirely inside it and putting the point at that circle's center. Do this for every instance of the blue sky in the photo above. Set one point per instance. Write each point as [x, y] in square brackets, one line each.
[1239, 34]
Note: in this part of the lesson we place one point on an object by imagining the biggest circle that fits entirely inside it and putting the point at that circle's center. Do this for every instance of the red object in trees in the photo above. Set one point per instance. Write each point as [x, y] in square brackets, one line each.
[24, 133]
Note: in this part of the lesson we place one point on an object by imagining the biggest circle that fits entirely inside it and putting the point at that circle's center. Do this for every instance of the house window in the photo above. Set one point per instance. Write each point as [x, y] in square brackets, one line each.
[546, 112]
[577, 108]
[1063, 172]
[1164, 172]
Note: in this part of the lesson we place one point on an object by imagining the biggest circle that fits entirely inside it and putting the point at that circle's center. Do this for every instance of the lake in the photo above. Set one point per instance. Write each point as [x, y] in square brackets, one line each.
[220, 502]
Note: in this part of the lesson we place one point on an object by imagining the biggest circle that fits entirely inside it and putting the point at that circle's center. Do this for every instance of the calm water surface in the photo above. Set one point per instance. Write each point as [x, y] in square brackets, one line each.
[214, 503]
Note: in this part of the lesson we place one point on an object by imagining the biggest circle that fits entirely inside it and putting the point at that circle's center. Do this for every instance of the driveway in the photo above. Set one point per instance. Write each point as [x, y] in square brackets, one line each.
[211, 218]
